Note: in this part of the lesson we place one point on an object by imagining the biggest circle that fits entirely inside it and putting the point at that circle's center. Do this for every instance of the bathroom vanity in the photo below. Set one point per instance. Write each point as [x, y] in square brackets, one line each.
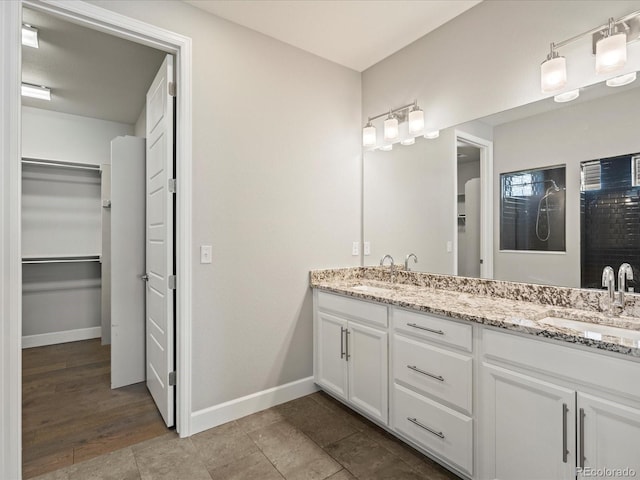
[492, 379]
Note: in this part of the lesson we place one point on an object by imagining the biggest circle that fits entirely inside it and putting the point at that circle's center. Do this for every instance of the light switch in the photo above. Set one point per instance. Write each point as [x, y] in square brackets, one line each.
[367, 248]
[355, 248]
[449, 246]
[206, 252]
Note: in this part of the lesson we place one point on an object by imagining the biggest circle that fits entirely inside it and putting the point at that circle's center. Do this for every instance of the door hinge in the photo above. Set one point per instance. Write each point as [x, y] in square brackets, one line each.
[172, 282]
[172, 185]
[172, 89]
[172, 379]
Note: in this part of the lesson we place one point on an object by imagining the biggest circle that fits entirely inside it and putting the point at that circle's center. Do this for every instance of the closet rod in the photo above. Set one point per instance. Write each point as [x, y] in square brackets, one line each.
[61, 164]
[69, 259]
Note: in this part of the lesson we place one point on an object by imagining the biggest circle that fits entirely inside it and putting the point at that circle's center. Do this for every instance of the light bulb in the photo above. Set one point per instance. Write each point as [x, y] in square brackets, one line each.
[391, 128]
[416, 120]
[369, 135]
[611, 53]
[553, 74]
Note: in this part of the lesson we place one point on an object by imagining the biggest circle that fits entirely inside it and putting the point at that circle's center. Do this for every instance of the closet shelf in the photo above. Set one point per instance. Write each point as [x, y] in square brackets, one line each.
[62, 259]
[61, 164]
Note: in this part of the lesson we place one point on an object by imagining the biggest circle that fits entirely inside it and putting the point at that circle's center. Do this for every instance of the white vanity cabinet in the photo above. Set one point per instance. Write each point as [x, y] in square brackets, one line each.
[549, 411]
[432, 389]
[351, 352]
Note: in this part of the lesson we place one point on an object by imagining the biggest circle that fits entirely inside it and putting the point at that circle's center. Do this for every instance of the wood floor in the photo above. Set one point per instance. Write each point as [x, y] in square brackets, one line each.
[70, 413]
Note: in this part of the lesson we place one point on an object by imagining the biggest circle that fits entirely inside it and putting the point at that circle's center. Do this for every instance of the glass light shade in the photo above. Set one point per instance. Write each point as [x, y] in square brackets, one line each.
[406, 138]
[369, 136]
[34, 91]
[622, 80]
[391, 129]
[416, 121]
[611, 53]
[387, 148]
[553, 74]
[567, 96]
[432, 134]
[29, 36]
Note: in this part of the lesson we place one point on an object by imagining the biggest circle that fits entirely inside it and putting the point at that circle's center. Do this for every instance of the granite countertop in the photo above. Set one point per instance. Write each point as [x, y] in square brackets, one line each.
[491, 309]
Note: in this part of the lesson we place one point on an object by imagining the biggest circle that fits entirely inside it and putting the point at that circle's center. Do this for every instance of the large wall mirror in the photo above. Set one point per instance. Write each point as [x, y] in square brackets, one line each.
[427, 198]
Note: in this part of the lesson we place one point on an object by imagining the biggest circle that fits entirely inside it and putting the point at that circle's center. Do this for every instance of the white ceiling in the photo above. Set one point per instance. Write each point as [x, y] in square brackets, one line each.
[353, 33]
[90, 73]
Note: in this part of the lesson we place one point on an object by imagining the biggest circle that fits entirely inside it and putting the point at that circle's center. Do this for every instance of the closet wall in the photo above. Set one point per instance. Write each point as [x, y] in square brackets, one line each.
[62, 217]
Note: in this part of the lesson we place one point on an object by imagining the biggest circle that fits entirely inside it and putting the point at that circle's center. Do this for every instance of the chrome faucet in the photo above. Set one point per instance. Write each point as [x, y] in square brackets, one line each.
[608, 280]
[625, 272]
[391, 265]
[406, 261]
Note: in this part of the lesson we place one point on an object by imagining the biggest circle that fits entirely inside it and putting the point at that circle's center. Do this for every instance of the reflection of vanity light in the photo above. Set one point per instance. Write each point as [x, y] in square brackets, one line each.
[432, 134]
[369, 135]
[567, 96]
[387, 148]
[592, 335]
[408, 141]
[416, 121]
[391, 128]
[622, 80]
[406, 138]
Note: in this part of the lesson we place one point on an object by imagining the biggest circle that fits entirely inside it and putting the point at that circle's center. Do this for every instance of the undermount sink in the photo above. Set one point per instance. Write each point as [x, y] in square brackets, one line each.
[592, 330]
[371, 289]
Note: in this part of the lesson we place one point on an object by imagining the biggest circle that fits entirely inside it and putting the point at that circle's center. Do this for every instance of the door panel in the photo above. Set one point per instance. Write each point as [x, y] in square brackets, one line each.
[332, 367]
[159, 244]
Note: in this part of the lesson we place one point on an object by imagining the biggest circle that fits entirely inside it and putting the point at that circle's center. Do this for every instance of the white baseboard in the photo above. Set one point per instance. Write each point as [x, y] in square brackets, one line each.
[53, 338]
[225, 412]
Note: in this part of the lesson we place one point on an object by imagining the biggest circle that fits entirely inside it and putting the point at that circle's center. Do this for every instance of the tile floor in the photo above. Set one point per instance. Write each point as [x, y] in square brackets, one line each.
[311, 438]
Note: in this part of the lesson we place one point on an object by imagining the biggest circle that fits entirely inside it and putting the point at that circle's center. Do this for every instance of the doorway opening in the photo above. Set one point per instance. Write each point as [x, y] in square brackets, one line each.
[91, 238]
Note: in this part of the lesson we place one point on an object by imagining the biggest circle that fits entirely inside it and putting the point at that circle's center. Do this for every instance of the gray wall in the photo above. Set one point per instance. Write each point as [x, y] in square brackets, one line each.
[600, 128]
[277, 169]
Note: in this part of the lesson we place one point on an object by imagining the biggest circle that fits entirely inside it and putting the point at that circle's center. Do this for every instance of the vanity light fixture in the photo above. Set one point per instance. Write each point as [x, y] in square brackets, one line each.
[35, 91]
[409, 114]
[622, 80]
[567, 96]
[405, 137]
[609, 47]
[433, 134]
[29, 36]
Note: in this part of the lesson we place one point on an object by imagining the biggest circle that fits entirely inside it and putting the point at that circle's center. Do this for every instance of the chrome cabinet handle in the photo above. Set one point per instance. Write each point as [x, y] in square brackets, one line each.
[144, 277]
[582, 457]
[414, 325]
[416, 369]
[565, 452]
[423, 426]
[342, 329]
[347, 342]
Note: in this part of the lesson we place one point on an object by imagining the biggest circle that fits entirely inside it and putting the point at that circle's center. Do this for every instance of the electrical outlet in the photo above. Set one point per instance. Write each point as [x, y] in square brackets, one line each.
[367, 248]
[206, 252]
[355, 248]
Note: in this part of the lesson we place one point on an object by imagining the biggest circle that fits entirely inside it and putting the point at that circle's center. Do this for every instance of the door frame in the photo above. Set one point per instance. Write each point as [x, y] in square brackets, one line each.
[486, 202]
[128, 28]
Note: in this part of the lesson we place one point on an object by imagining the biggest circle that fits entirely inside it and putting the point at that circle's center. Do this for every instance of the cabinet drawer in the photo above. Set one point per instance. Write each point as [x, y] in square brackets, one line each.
[433, 328]
[437, 372]
[435, 427]
[367, 312]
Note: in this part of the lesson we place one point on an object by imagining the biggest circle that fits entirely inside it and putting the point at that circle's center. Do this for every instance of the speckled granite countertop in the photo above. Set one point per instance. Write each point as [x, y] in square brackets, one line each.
[513, 306]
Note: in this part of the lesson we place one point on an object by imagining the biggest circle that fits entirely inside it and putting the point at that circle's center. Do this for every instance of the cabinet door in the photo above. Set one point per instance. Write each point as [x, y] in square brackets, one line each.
[608, 437]
[331, 368]
[368, 375]
[529, 427]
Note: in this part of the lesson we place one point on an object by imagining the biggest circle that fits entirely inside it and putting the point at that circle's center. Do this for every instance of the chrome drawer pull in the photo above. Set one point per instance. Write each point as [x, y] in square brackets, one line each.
[416, 369]
[342, 329]
[414, 325]
[581, 458]
[565, 451]
[416, 422]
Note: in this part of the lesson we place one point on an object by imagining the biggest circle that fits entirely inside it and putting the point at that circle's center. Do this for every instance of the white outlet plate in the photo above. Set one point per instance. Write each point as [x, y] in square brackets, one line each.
[206, 253]
[355, 248]
[367, 248]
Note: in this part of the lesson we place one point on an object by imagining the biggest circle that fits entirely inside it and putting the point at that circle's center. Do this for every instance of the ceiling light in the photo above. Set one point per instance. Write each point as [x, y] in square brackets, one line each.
[567, 96]
[416, 119]
[29, 36]
[622, 80]
[387, 148]
[369, 135]
[35, 91]
[611, 50]
[553, 72]
[391, 127]
[432, 134]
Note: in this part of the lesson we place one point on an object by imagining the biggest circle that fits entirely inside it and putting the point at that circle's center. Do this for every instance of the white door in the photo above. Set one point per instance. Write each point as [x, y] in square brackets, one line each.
[127, 302]
[608, 434]
[331, 350]
[368, 375]
[159, 243]
[530, 429]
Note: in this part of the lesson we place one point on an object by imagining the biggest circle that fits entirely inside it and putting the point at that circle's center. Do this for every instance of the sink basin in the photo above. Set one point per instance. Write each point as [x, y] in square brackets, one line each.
[371, 289]
[592, 330]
